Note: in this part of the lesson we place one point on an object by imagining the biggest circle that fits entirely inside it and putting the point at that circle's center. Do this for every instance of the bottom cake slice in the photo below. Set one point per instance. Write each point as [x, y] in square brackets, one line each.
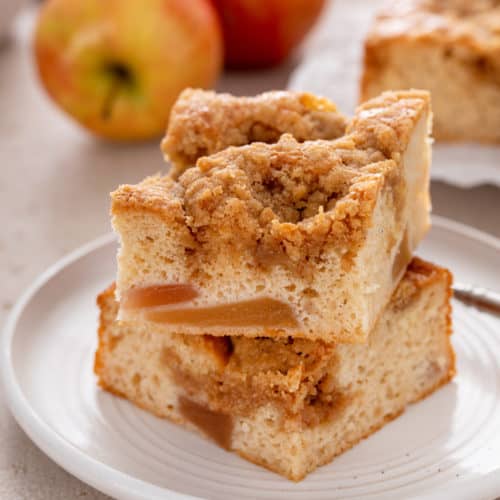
[289, 405]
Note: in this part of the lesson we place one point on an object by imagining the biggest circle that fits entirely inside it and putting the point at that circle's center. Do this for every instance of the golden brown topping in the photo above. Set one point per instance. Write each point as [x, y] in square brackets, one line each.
[418, 274]
[286, 202]
[288, 182]
[283, 199]
[386, 122]
[203, 122]
[470, 21]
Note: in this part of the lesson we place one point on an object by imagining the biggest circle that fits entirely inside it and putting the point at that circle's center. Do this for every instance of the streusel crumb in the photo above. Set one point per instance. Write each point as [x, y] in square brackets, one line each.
[203, 122]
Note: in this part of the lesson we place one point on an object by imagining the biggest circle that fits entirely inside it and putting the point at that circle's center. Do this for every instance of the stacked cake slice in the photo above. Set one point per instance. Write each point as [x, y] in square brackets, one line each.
[266, 292]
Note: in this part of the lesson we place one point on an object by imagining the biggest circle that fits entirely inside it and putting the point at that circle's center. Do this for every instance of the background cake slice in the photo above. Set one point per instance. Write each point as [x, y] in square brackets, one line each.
[290, 404]
[203, 122]
[304, 239]
[450, 47]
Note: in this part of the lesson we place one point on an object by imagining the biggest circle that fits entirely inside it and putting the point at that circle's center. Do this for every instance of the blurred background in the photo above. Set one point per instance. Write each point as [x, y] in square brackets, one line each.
[69, 136]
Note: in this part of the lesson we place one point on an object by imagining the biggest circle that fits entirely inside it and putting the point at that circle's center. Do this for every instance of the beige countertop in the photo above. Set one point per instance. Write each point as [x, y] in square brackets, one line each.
[54, 185]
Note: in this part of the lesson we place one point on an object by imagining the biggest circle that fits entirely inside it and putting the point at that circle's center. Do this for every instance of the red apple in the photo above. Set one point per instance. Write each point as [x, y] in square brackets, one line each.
[117, 66]
[259, 33]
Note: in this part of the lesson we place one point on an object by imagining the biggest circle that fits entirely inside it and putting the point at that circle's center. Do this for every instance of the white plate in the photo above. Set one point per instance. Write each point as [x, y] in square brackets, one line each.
[450, 440]
[332, 67]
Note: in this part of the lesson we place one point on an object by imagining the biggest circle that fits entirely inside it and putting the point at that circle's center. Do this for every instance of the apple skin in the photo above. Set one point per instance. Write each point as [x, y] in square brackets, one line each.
[262, 33]
[117, 66]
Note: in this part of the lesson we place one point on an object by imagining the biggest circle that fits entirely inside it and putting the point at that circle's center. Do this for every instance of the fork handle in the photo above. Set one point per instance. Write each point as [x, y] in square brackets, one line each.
[478, 296]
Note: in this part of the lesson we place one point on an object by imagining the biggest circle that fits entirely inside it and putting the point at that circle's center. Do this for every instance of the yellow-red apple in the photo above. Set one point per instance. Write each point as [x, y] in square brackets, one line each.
[117, 66]
[259, 33]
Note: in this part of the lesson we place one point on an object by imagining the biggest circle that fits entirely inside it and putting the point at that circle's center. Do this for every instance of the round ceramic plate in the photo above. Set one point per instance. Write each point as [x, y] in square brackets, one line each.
[445, 446]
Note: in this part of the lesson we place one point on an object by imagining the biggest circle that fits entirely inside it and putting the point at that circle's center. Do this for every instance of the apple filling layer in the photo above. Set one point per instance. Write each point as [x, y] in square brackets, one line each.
[158, 295]
[216, 425]
[154, 304]
[263, 312]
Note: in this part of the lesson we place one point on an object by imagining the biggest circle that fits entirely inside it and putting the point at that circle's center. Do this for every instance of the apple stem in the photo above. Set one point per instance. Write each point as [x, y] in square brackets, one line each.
[107, 106]
[121, 76]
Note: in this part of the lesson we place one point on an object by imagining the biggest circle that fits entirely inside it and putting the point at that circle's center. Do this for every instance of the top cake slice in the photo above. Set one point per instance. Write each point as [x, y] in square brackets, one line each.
[304, 239]
[203, 122]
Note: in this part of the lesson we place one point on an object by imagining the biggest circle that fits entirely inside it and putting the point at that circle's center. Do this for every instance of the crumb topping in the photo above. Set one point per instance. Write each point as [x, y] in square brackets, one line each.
[288, 200]
[418, 274]
[385, 123]
[288, 182]
[203, 122]
[474, 21]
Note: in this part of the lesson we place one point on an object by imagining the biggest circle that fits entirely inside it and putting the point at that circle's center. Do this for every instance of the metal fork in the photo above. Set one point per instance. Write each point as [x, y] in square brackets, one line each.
[479, 297]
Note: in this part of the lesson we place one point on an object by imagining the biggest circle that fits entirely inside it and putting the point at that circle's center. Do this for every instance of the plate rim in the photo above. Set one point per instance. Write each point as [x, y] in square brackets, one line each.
[58, 449]
[75, 461]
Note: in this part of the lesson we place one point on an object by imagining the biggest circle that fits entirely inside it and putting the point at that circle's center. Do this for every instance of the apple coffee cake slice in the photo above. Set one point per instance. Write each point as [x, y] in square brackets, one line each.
[288, 404]
[449, 47]
[203, 122]
[303, 239]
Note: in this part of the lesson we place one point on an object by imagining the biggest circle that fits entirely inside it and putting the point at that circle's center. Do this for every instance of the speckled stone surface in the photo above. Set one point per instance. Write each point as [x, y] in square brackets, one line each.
[54, 185]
